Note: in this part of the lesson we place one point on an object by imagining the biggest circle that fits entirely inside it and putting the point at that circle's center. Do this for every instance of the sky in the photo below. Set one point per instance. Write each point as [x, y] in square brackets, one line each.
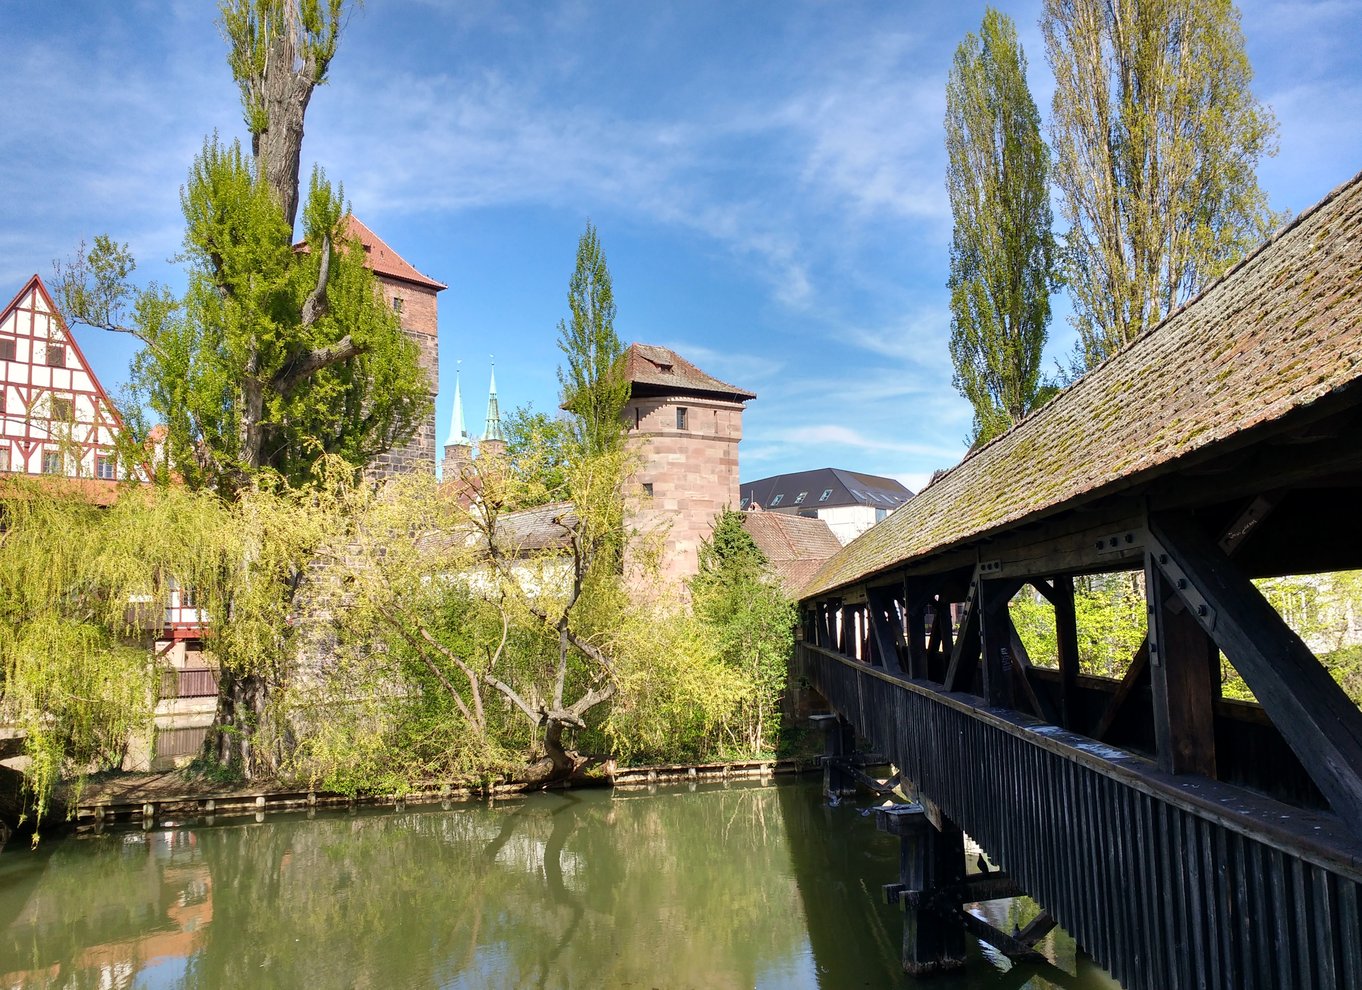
[767, 178]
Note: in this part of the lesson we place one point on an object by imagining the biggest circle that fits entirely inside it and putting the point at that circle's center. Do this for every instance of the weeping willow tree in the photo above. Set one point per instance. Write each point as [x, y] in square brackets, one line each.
[81, 594]
[474, 631]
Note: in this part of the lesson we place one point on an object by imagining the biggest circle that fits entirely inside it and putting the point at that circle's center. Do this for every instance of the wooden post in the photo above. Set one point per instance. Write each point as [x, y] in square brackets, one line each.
[994, 641]
[1066, 635]
[885, 628]
[1180, 669]
[931, 876]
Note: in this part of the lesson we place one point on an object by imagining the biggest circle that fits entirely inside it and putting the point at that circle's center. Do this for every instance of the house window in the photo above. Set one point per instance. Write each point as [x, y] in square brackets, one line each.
[106, 467]
[51, 462]
[776, 501]
[680, 417]
[6, 348]
[4, 458]
[61, 409]
[880, 514]
[397, 304]
[56, 355]
[827, 494]
[801, 497]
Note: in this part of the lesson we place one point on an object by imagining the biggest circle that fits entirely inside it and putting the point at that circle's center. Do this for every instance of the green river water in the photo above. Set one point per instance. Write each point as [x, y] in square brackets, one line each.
[701, 886]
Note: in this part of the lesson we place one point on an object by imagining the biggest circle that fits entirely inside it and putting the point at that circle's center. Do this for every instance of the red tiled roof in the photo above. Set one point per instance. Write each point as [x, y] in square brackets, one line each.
[383, 259]
[796, 546]
[1280, 331]
[659, 368]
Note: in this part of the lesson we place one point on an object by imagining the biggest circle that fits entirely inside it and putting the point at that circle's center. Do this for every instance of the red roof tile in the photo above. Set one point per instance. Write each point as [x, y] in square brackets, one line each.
[383, 259]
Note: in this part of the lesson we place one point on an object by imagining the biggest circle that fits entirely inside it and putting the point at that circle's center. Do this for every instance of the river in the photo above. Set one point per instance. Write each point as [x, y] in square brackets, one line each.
[699, 886]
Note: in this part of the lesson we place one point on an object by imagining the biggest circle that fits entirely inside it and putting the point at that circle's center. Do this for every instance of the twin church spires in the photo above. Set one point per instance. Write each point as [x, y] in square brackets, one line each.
[459, 446]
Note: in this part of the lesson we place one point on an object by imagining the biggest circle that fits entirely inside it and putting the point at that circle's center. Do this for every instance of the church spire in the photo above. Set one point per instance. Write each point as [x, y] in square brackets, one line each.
[493, 429]
[458, 431]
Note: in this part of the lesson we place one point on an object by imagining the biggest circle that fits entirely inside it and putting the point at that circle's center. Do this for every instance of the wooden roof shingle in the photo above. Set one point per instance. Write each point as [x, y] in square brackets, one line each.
[1280, 331]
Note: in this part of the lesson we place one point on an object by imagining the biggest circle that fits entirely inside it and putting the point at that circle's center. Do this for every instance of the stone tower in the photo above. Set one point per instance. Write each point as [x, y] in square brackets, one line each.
[413, 297]
[685, 427]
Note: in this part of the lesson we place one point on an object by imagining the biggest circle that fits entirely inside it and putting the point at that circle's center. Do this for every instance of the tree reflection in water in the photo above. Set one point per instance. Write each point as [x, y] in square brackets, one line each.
[706, 887]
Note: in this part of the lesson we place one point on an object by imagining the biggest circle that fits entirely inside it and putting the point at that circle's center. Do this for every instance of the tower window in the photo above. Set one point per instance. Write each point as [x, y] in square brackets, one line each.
[638, 417]
[397, 304]
[680, 417]
[56, 355]
[648, 488]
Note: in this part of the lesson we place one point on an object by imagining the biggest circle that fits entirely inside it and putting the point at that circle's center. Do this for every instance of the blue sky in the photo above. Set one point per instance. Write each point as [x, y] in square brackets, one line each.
[767, 178]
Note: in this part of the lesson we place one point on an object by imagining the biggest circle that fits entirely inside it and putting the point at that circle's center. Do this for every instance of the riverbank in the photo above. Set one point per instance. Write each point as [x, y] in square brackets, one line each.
[173, 795]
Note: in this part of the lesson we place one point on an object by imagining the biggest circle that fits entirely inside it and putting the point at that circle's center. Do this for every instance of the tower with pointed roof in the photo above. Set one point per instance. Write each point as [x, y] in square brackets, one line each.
[685, 426]
[412, 296]
[458, 447]
[493, 440]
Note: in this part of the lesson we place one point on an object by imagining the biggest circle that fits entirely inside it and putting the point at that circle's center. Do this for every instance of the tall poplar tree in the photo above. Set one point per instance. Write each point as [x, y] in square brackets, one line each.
[1002, 251]
[595, 386]
[1157, 139]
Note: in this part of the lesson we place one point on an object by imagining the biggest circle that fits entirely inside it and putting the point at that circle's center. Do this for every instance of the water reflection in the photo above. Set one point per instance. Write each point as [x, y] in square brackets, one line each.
[747, 886]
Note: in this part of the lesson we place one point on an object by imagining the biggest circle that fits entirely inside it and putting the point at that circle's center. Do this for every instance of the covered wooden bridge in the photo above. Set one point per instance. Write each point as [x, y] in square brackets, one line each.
[1184, 839]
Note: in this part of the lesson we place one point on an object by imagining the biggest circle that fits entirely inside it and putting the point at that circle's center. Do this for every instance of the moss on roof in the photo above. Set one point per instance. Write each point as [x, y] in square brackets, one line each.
[1280, 331]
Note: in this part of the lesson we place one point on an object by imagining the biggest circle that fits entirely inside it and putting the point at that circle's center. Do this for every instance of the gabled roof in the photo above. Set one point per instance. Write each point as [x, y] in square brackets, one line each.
[843, 488]
[383, 259]
[657, 371]
[1281, 330]
[795, 546]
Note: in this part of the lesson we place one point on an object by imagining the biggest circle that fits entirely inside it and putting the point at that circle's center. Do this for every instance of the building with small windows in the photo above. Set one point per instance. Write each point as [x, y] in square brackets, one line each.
[848, 501]
[685, 426]
[413, 297]
[55, 417]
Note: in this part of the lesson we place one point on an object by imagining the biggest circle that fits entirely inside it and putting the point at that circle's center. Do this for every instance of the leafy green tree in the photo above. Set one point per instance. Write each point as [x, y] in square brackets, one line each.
[277, 358]
[539, 448]
[752, 624]
[1157, 139]
[279, 51]
[81, 589]
[1002, 252]
[595, 385]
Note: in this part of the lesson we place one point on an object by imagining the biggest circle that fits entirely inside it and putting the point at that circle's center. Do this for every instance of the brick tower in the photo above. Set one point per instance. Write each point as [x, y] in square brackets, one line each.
[685, 426]
[413, 297]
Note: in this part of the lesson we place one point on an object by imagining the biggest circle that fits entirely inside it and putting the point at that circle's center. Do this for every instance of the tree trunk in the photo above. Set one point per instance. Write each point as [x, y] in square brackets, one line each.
[556, 765]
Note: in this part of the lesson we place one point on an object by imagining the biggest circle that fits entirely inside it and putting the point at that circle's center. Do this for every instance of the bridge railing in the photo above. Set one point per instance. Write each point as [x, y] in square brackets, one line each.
[1166, 881]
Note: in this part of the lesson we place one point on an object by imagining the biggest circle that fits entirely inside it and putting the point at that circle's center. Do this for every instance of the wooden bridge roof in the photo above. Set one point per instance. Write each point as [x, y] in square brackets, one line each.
[1281, 331]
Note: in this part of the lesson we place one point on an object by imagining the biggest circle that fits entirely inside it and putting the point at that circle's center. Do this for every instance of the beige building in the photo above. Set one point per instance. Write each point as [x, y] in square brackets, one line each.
[686, 426]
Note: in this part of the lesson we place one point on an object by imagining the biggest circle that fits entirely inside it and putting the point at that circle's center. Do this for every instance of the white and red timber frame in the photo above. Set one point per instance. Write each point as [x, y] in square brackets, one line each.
[42, 369]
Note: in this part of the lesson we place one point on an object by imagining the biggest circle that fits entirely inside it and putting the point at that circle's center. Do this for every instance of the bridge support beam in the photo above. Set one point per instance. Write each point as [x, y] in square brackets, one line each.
[839, 743]
[931, 876]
